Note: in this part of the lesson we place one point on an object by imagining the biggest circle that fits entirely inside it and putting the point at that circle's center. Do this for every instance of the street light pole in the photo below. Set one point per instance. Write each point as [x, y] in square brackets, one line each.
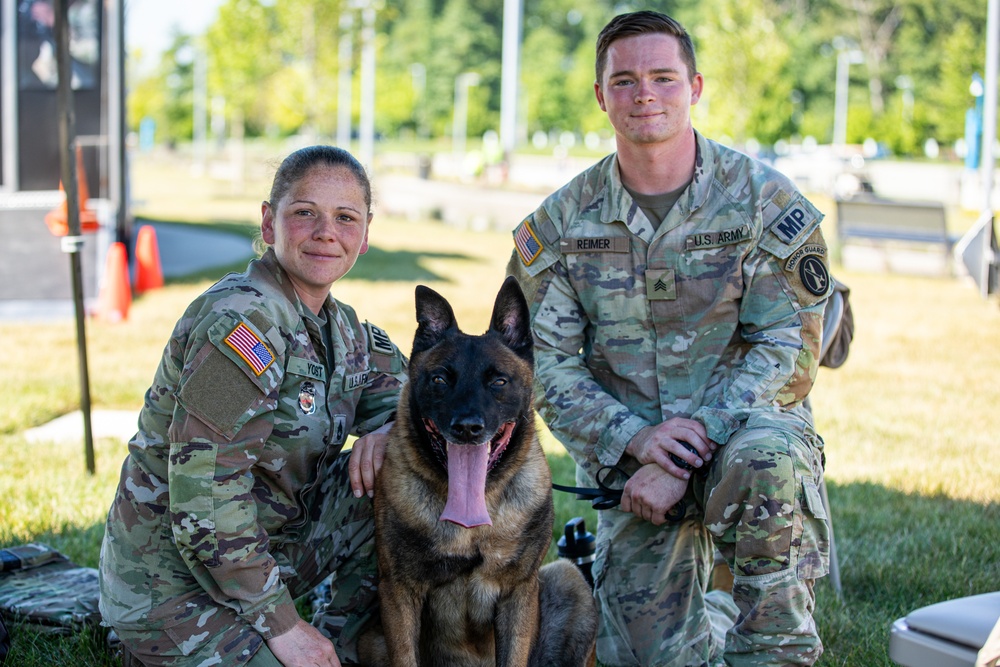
[510, 70]
[458, 127]
[344, 55]
[366, 129]
[846, 57]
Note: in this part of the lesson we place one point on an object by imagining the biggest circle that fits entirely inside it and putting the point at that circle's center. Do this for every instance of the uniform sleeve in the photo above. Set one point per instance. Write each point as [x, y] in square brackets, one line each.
[787, 283]
[224, 415]
[593, 426]
[388, 373]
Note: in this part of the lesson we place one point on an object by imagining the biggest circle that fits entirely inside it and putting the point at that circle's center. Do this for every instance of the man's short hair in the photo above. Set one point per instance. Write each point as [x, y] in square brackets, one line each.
[644, 23]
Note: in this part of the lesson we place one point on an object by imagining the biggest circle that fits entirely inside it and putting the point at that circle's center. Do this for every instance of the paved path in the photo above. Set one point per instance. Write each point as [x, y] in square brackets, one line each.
[35, 282]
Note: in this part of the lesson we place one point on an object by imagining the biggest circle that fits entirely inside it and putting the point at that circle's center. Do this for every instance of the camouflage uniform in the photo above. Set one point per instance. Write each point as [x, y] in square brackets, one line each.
[715, 315]
[234, 498]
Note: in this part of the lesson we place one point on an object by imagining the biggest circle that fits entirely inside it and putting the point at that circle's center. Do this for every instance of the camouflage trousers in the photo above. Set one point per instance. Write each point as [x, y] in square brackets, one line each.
[337, 536]
[759, 506]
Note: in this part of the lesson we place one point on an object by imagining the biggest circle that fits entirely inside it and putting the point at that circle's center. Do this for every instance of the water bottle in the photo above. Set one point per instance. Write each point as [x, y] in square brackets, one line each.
[579, 546]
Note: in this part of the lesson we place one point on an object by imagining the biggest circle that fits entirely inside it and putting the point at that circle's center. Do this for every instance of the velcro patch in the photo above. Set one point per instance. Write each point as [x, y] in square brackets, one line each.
[609, 244]
[792, 222]
[378, 340]
[798, 255]
[527, 243]
[814, 275]
[250, 348]
[717, 239]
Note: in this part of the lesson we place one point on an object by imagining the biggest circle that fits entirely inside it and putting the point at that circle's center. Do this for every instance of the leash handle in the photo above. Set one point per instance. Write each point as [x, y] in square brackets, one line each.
[604, 497]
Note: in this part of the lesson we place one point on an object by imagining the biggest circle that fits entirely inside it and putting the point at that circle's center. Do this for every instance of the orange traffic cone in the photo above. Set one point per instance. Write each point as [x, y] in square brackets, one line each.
[57, 219]
[148, 271]
[116, 295]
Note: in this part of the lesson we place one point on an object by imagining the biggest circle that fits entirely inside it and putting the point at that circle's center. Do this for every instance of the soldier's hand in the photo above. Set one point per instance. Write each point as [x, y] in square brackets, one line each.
[651, 492]
[367, 456]
[303, 646]
[655, 444]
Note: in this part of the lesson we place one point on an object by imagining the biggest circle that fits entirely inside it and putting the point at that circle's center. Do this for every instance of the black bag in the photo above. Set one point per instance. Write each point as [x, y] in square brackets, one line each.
[838, 327]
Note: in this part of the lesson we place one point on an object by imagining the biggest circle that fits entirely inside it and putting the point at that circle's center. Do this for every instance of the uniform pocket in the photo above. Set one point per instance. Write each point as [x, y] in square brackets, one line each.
[812, 532]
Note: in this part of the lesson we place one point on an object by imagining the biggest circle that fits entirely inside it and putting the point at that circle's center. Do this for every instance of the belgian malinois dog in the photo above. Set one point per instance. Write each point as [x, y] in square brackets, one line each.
[463, 508]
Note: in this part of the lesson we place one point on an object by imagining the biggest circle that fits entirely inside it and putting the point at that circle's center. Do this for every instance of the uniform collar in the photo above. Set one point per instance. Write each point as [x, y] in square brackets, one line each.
[618, 205]
[269, 262]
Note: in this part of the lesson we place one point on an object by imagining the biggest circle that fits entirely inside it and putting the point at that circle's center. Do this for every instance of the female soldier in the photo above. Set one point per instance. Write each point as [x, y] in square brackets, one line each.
[235, 497]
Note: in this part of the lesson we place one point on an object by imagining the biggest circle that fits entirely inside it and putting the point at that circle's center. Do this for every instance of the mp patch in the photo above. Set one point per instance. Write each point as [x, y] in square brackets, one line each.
[379, 340]
[527, 243]
[792, 221]
[250, 348]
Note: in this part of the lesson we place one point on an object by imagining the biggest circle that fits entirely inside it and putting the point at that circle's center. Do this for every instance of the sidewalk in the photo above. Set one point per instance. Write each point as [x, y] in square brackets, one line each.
[35, 281]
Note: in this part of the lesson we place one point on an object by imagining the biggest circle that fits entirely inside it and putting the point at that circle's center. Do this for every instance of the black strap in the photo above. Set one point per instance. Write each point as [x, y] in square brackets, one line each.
[605, 497]
[602, 498]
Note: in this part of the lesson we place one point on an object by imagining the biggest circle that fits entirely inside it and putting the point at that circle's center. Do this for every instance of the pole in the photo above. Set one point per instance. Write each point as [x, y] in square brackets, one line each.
[990, 103]
[510, 70]
[73, 241]
[344, 56]
[117, 154]
[366, 129]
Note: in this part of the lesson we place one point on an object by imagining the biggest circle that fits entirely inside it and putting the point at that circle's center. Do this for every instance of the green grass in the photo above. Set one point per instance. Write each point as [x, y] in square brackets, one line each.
[910, 422]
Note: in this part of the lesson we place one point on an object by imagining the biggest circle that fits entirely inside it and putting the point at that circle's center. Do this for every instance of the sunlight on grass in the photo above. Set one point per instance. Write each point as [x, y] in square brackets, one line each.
[910, 422]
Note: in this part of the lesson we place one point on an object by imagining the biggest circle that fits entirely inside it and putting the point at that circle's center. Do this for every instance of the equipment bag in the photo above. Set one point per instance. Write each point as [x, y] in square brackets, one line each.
[41, 586]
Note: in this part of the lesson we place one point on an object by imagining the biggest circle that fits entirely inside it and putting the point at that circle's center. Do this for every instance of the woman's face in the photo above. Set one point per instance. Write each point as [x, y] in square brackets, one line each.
[318, 229]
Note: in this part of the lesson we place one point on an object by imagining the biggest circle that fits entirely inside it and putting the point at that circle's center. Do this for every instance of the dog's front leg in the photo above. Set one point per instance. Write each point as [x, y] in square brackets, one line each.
[401, 611]
[516, 624]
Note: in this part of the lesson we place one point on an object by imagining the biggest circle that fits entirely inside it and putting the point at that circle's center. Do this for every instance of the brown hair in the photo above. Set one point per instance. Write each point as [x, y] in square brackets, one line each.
[298, 164]
[643, 23]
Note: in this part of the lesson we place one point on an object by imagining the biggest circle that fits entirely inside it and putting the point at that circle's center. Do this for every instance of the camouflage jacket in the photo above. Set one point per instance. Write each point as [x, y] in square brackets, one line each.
[246, 401]
[715, 315]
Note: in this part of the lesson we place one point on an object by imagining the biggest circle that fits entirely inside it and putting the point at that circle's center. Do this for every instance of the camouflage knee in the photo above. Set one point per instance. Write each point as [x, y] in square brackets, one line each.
[763, 506]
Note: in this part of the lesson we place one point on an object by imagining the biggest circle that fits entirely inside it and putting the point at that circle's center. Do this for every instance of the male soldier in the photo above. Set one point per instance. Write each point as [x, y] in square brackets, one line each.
[677, 290]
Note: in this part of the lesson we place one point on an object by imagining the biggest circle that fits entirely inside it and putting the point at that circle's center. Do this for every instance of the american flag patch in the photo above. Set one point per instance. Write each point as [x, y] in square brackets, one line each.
[528, 246]
[251, 348]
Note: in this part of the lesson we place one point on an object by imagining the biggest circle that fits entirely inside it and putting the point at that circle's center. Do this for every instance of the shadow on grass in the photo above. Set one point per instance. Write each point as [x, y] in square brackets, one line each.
[377, 265]
[898, 552]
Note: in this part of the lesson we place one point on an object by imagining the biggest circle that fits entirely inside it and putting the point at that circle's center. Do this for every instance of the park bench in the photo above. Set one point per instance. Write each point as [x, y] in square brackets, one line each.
[891, 223]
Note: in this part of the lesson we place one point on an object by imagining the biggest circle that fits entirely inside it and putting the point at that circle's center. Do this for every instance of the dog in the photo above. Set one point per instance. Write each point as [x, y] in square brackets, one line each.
[463, 509]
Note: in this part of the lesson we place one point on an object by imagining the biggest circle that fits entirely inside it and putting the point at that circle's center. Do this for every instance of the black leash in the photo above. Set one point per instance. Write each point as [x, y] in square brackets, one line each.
[602, 498]
[606, 497]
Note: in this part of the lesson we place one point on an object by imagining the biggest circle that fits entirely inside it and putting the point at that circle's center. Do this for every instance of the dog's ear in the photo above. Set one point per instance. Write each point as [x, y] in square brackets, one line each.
[435, 318]
[512, 321]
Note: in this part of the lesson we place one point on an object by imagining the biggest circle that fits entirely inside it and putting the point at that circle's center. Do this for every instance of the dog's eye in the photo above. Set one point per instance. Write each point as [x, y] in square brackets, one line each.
[438, 379]
[500, 382]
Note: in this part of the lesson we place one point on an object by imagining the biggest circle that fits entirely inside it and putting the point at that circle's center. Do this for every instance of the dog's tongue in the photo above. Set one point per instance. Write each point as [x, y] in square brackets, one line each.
[466, 504]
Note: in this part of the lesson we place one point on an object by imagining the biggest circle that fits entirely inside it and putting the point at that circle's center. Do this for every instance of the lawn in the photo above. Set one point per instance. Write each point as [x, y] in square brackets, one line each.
[908, 422]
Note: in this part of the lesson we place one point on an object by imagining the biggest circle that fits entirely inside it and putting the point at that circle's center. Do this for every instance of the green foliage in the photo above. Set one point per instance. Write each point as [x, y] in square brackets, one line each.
[769, 67]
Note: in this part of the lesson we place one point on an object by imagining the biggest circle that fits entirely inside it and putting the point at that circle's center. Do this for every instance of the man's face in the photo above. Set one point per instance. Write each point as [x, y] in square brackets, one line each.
[646, 89]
